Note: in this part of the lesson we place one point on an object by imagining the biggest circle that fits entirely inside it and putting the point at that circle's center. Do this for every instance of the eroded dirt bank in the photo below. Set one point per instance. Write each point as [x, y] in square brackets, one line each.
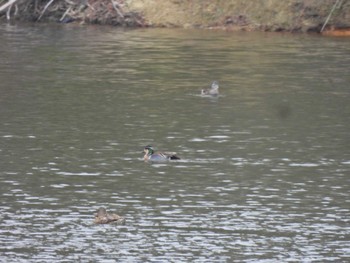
[267, 15]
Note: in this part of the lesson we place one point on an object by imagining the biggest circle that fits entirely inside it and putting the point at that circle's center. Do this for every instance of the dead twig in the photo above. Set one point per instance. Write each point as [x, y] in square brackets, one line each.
[16, 10]
[65, 13]
[116, 7]
[46, 6]
[331, 12]
[8, 13]
[69, 2]
[8, 4]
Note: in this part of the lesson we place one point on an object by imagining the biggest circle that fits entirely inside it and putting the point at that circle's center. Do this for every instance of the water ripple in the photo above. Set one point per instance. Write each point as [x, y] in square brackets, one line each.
[264, 169]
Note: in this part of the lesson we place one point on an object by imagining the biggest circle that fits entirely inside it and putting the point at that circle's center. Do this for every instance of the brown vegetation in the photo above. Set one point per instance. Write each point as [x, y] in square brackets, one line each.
[109, 12]
[267, 15]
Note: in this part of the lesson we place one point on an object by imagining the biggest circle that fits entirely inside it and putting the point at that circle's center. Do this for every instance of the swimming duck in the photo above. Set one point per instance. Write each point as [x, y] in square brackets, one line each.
[213, 90]
[151, 155]
[102, 217]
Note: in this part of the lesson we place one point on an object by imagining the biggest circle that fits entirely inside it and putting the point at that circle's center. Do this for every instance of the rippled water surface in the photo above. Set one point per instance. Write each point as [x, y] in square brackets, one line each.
[264, 174]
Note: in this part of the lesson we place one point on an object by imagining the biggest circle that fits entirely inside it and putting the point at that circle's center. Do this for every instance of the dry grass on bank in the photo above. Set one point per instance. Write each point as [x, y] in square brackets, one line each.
[267, 15]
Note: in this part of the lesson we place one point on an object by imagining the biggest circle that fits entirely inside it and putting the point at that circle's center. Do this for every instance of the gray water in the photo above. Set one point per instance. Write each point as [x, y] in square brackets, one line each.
[264, 174]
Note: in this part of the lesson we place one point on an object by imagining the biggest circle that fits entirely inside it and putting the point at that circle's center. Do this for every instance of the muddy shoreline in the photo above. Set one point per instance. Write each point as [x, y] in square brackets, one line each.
[235, 15]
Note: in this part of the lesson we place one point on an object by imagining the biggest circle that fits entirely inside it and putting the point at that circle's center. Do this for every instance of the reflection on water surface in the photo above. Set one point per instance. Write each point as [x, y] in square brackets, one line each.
[263, 175]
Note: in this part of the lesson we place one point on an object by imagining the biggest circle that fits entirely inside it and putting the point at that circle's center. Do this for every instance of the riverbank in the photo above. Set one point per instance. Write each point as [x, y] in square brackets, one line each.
[231, 15]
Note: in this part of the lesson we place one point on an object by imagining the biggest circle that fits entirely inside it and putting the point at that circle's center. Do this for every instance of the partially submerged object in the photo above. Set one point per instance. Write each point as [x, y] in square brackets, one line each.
[102, 217]
[212, 91]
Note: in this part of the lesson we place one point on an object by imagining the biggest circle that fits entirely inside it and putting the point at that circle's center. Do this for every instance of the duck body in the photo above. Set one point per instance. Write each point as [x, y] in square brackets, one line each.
[153, 156]
[102, 217]
[212, 91]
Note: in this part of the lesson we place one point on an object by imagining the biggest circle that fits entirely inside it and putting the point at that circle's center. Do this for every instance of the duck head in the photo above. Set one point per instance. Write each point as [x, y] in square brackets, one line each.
[213, 90]
[101, 212]
[214, 86]
[148, 150]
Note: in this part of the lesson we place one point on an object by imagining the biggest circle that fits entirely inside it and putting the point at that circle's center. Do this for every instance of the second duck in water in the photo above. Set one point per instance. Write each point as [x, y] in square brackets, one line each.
[212, 91]
[102, 217]
[153, 156]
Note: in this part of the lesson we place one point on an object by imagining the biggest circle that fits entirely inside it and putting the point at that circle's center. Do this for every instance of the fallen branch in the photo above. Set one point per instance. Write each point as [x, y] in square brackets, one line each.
[90, 6]
[116, 7]
[8, 4]
[330, 13]
[69, 2]
[111, 12]
[8, 13]
[65, 13]
[47, 5]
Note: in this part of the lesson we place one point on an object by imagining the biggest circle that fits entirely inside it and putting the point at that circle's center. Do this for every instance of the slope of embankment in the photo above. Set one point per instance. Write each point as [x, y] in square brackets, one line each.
[267, 15]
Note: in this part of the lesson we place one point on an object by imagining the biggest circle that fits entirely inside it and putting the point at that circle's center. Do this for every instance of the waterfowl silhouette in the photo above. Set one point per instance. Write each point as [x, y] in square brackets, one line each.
[102, 217]
[213, 90]
[153, 156]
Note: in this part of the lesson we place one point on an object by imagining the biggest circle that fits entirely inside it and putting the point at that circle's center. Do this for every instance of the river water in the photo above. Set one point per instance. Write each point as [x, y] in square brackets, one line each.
[264, 174]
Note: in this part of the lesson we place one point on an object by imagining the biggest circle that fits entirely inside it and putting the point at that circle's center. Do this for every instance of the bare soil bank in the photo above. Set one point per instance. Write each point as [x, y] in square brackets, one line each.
[267, 15]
